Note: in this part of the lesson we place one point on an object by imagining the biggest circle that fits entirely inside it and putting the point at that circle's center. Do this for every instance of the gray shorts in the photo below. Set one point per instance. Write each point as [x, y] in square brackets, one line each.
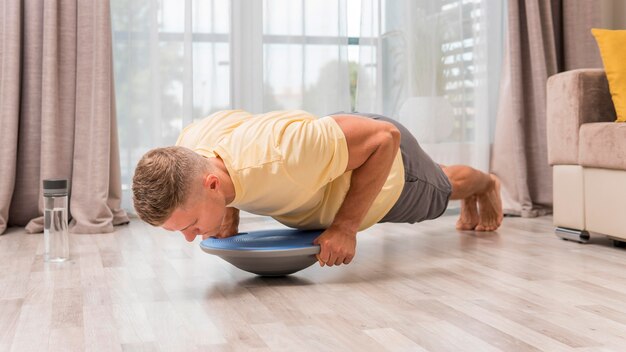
[426, 190]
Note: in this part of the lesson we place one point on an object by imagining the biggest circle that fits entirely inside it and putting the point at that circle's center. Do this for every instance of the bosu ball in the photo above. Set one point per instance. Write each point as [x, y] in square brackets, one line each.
[276, 252]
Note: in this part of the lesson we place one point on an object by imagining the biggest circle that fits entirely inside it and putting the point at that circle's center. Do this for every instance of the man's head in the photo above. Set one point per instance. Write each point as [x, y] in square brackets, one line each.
[180, 190]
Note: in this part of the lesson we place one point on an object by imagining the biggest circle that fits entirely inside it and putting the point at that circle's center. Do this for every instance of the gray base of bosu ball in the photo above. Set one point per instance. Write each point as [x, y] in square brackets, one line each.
[276, 252]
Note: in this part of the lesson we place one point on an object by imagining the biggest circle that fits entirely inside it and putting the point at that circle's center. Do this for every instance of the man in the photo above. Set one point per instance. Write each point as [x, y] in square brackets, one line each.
[342, 173]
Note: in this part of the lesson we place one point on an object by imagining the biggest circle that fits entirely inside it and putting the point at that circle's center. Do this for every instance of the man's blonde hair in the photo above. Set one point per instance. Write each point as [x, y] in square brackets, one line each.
[163, 180]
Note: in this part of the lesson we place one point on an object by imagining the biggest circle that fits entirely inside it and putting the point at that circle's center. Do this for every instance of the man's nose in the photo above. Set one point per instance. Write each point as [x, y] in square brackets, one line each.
[190, 235]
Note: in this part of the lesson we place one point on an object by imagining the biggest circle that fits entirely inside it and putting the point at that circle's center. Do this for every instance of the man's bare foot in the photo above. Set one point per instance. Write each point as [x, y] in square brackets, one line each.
[469, 214]
[490, 207]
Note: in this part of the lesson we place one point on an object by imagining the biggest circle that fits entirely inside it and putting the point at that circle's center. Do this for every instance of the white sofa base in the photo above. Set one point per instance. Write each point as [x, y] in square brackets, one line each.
[605, 201]
[589, 200]
[569, 202]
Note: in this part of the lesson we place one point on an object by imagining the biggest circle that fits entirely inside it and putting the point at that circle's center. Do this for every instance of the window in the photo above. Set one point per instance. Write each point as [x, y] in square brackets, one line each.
[180, 60]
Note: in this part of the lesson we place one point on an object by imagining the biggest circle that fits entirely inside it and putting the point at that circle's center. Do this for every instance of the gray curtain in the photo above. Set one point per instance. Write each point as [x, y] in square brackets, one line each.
[57, 112]
[544, 37]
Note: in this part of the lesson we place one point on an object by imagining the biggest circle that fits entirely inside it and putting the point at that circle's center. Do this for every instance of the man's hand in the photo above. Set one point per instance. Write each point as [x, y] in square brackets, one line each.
[337, 247]
[230, 224]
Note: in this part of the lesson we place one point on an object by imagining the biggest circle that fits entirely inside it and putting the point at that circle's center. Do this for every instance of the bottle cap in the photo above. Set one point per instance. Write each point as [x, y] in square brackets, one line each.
[55, 187]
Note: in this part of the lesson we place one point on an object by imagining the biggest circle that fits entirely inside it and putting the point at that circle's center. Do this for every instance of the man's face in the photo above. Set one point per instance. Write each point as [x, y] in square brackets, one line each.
[202, 215]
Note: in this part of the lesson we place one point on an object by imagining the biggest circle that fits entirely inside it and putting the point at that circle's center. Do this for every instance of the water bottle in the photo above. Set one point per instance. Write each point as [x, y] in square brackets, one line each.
[55, 235]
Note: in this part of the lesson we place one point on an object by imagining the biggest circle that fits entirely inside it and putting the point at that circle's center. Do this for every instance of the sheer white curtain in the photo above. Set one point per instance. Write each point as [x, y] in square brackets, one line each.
[305, 55]
[434, 65]
[171, 60]
[180, 60]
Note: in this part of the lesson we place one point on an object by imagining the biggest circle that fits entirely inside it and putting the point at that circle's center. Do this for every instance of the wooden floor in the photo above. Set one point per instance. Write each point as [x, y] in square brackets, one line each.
[422, 287]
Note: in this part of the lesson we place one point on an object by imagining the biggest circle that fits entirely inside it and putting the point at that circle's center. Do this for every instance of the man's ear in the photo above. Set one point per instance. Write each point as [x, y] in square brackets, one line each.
[211, 181]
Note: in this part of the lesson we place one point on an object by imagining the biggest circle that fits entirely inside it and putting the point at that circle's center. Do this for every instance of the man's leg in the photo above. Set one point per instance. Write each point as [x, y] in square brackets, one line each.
[481, 205]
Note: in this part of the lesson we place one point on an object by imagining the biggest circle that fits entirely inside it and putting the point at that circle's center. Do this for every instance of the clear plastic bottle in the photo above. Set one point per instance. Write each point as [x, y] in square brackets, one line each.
[55, 234]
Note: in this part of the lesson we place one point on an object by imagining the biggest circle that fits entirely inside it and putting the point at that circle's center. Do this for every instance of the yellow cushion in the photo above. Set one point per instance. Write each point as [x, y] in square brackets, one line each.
[612, 44]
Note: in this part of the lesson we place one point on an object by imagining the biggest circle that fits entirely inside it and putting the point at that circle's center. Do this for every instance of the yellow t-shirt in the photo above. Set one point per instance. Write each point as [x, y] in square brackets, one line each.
[289, 165]
[201, 136]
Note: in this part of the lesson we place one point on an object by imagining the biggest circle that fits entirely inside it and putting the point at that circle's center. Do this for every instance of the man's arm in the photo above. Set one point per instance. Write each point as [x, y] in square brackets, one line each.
[372, 147]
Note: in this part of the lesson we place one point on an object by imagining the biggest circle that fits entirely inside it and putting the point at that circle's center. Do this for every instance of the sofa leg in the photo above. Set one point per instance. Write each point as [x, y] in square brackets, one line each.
[619, 244]
[579, 236]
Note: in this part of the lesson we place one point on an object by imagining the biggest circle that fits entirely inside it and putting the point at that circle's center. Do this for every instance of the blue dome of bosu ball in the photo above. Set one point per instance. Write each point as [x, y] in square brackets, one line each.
[276, 252]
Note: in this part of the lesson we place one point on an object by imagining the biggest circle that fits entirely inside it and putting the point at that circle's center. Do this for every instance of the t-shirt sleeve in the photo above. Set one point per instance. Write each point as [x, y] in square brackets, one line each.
[183, 138]
[315, 151]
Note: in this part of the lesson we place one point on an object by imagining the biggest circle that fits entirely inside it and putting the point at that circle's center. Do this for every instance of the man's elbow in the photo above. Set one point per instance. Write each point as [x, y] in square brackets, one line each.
[395, 133]
[393, 136]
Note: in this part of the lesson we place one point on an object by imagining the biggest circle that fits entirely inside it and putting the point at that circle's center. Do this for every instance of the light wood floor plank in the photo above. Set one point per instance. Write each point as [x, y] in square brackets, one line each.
[66, 339]
[100, 333]
[394, 341]
[9, 315]
[33, 328]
